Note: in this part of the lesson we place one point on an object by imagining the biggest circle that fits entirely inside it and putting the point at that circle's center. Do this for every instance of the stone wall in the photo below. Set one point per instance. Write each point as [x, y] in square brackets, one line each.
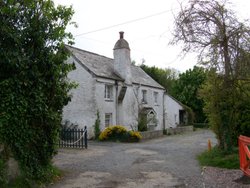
[180, 129]
[158, 133]
[151, 134]
[81, 110]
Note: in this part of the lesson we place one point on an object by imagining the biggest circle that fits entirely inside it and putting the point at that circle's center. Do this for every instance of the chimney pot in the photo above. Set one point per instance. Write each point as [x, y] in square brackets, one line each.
[121, 34]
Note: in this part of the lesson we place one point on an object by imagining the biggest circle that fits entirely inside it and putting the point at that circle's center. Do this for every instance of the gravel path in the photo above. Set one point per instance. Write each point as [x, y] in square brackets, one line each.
[169, 161]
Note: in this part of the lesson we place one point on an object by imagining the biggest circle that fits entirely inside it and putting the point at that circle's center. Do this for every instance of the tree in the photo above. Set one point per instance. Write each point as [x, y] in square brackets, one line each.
[33, 81]
[186, 91]
[213, 31]
[165, 77]
[227, 108]
[222, 42]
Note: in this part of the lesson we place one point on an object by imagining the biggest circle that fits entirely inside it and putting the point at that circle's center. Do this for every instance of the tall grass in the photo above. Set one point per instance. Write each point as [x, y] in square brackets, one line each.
[218, 158]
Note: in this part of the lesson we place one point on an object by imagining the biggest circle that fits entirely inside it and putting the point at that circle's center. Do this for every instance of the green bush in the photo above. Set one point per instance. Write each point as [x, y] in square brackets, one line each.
[3, 178]
[33, 82]
[53, 174]
[201, 125]
[142, 123]
[165, 132]
[119, 133]
[21, 182]
[218, 158]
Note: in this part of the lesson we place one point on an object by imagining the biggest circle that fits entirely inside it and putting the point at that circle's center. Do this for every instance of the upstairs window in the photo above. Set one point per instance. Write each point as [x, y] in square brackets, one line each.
[108, 93]
[108, 119]
[144, 96]
[155, 97]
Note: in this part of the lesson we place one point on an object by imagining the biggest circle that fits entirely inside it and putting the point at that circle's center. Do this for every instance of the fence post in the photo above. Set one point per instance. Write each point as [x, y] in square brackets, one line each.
[82, 140]
[72, 136]
[85, 137]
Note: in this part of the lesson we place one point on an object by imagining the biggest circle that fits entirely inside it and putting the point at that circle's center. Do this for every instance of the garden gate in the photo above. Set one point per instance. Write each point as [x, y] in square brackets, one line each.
[73, 138]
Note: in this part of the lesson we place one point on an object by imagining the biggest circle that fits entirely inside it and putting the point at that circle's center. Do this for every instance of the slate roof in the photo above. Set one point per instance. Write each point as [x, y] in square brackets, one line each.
[102, 66]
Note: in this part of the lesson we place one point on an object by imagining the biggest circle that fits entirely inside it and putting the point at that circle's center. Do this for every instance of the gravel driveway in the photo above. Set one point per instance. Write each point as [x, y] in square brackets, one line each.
[169, 161]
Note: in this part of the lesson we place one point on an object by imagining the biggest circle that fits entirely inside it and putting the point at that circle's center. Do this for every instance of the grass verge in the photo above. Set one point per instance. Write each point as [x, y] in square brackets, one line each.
[22, 182]
[221, 159]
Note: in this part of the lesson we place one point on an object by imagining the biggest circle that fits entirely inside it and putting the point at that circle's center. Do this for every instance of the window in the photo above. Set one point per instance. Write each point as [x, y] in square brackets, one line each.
[108, 93]
[144, 96]
[155, 97]
[108, 119]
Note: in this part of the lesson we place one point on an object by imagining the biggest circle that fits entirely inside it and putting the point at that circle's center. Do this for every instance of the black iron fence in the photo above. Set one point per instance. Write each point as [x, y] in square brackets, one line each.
[73, 138]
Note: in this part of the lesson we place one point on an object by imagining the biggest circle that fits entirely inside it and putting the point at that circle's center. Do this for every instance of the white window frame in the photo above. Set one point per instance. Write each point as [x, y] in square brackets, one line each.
[108, 92]
[108, 119]
[144, 96]
[155, 94]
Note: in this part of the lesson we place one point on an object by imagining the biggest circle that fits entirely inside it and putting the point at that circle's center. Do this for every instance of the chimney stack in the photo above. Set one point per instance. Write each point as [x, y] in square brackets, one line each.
[121, 34]
[122, 61]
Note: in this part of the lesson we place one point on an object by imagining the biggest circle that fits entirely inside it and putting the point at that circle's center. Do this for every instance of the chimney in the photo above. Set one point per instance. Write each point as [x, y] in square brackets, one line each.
[122, 61]
[121, 34]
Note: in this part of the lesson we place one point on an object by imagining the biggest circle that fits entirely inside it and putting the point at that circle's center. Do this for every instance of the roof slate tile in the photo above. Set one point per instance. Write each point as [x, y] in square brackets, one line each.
[103, 66]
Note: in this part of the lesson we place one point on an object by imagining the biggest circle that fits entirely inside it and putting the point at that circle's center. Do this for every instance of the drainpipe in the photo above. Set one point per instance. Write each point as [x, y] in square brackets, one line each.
[164, 126]
[116, 102]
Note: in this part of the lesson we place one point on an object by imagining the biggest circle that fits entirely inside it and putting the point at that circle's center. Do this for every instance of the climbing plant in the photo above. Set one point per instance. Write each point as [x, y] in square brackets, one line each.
[33, 81]
[97, 129]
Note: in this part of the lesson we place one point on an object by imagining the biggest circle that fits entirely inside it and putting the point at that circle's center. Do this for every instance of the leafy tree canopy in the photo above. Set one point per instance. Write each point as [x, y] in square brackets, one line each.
[186, 91]
[222, 42]
[33, 81]
[165, 77]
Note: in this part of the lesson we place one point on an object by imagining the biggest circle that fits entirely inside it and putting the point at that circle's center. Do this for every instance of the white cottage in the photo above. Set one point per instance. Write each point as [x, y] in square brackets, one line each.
[175, 113]
[116, 88]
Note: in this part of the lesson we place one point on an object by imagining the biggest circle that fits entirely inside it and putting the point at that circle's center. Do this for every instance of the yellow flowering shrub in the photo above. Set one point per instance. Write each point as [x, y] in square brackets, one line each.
[118, 129]
[113, 133]
[119, 133]
[133, 136]
[105, 134]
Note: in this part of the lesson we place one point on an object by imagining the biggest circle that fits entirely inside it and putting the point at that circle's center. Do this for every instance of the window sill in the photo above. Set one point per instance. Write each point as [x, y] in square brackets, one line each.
[109, 100]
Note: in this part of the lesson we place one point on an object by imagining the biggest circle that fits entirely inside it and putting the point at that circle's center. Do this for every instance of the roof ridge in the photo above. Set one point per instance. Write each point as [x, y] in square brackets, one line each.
[88, 52]
[139, 76]
[159, 85]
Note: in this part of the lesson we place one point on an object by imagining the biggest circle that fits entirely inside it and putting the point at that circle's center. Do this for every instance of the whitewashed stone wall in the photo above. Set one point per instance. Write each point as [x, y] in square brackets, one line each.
[158, 108]
[82, 107]
[128, 109]
[88, 97]
[172, 108]
[104, 105]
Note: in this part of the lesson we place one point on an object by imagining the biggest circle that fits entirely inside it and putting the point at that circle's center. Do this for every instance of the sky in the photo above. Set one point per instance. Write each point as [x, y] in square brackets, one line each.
[147, 26]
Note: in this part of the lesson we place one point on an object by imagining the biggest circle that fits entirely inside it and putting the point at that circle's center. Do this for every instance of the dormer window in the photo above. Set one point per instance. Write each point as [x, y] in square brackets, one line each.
[108, 93]
[144, 96]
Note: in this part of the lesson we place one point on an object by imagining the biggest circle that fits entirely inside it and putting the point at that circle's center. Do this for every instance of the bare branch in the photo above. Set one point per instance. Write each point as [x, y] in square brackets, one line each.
[213, 31]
